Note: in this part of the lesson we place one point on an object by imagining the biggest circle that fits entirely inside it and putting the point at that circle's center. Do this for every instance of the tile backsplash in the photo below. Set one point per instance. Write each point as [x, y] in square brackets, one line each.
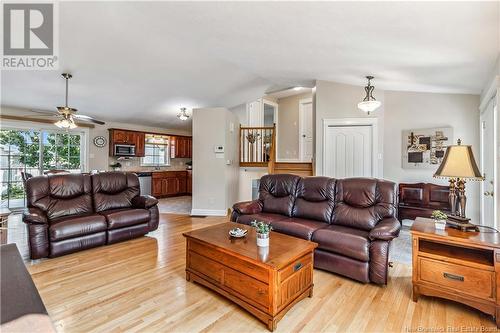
[134, 164]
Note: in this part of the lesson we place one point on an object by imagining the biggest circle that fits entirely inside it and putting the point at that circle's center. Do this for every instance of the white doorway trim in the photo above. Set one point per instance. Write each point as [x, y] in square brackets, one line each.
[301, 113]
[496, 203]
[275, 106]
[373, 122]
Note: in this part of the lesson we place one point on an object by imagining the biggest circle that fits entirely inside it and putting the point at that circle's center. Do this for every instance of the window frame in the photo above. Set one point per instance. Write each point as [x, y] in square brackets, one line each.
[167, 158]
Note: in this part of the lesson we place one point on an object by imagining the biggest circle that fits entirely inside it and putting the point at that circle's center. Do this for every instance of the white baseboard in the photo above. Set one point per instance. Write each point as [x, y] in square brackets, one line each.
[209, 212]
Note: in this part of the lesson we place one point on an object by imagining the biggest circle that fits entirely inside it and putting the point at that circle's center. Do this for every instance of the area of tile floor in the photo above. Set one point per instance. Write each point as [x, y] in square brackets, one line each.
[175, 205]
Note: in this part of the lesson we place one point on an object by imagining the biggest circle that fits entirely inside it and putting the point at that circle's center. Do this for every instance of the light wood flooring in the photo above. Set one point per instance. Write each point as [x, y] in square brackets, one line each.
[140, 285]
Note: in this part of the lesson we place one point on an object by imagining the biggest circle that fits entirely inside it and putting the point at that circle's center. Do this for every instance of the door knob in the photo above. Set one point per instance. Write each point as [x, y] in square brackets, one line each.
[488, 193]
[303, 135]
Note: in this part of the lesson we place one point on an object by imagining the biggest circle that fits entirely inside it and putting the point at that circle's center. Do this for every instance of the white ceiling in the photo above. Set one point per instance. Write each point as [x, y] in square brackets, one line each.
[140, 62]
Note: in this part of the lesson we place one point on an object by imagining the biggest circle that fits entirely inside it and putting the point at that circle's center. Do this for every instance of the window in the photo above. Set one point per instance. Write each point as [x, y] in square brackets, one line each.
[33, 152]
[156, 151]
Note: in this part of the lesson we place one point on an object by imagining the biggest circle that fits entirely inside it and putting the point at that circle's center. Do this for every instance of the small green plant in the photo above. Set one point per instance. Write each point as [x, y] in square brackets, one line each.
[439, 215]
[261, 227]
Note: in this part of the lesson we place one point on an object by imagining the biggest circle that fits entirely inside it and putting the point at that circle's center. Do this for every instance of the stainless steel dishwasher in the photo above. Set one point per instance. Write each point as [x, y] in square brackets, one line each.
[144, 182]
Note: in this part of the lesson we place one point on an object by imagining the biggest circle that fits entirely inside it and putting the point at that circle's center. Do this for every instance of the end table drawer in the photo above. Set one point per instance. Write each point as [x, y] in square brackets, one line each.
[467, 280]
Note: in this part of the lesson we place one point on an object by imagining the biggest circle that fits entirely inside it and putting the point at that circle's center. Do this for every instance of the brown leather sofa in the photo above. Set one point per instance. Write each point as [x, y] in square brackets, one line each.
[353, 220]
[72, 212]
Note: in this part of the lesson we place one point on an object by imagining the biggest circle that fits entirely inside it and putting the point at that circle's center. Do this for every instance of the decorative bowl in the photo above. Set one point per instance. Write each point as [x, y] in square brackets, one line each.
[238, 232]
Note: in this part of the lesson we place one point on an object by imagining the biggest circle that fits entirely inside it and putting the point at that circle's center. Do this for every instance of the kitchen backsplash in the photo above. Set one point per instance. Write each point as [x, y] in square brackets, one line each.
[134, 164]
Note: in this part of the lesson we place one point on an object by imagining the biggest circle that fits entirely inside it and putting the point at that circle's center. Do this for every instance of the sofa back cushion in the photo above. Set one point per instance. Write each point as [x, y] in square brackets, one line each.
[60, 195]
[277, 193]
[315, 199]
[362, 202]
[114, 190]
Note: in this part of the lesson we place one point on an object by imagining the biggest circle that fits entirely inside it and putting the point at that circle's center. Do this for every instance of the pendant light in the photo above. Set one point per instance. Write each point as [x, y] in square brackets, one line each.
[369, 103]
[183, 114]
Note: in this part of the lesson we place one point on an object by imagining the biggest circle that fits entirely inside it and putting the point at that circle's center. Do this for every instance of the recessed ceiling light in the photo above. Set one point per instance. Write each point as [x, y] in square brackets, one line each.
[297, 88]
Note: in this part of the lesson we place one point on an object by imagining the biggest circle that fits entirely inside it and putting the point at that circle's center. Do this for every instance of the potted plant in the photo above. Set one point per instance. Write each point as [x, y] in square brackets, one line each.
[262, 230]
[439, 219]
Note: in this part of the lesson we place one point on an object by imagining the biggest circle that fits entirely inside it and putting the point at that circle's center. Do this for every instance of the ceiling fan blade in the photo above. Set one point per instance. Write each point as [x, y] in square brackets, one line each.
[48, 112]
[87, 118]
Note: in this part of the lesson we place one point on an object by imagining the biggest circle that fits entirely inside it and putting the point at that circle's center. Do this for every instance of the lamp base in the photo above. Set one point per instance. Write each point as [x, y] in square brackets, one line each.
[458, 219]
[462, 226]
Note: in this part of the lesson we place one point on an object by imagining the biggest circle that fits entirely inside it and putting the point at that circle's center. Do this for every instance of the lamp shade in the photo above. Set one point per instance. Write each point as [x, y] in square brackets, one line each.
[459, 162]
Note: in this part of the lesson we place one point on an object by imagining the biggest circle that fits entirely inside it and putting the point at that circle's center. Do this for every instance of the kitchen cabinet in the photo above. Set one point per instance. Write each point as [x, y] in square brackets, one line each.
[189, 185]
[169, 183]
[126, 137]
[182, 147]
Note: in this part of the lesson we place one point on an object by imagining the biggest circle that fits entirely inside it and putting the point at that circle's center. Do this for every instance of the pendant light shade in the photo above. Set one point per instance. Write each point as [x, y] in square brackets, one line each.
[369, 103]
[183, 114]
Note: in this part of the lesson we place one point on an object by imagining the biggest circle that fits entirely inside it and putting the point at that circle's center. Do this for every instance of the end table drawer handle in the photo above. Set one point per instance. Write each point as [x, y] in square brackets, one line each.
[453, 277]
[297, 266]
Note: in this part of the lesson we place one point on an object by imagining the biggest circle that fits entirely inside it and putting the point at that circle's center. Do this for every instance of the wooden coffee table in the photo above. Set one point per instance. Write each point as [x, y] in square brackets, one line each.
[266, 282]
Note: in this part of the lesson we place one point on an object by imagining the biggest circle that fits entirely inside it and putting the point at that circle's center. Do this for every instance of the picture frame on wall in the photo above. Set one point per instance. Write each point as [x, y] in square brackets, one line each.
[425, 148]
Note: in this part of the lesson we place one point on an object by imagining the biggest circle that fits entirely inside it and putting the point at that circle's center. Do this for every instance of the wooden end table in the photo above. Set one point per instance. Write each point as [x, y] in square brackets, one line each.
[266, 282]
[456, 265]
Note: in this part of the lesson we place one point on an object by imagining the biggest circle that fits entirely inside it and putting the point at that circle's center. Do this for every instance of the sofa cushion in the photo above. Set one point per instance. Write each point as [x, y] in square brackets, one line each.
[60, 195]
[113, 190]
[75, 226]
[349, 242]
[264, 217]
[315, 198]
[297, 227]
[119, 218]
[362, 202]
[277, 193]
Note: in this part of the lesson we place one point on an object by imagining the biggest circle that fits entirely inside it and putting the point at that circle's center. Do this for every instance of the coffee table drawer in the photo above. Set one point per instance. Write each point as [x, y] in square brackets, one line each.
[207, 267]
[247, 286]
[244, 266]
[464, 279]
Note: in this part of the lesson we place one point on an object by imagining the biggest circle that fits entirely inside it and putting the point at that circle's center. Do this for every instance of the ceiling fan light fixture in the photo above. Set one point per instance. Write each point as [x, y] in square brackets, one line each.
[66, 123]
[182, 115]
[369, 103]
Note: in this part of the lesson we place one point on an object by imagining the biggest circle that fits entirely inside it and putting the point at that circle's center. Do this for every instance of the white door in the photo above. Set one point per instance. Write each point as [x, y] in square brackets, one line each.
[488, 124]
[348, 151]
[306, 130]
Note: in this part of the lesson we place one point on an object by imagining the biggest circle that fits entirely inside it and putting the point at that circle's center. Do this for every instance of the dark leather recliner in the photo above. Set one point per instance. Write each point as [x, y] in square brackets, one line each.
[72, 212]
[353, 220]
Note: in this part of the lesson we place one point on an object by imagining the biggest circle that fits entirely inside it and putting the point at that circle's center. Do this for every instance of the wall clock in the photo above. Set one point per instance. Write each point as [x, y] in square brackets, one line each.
[100, 141]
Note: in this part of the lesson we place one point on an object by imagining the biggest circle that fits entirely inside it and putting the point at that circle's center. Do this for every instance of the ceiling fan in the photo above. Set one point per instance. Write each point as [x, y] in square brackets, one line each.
[66, 114]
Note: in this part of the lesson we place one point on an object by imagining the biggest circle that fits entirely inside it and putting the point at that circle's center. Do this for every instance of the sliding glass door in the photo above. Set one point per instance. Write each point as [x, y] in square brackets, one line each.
[33, 152]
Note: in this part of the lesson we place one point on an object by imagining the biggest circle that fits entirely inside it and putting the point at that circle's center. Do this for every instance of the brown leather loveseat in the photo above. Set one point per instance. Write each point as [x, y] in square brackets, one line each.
[72, 212]
[353, 220]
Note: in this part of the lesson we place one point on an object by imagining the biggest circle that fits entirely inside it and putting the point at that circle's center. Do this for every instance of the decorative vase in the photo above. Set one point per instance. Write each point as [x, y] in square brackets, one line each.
[263, 239]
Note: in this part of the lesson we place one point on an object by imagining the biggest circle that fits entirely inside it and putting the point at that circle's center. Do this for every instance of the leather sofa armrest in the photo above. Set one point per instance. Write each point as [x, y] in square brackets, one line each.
[34, 215]
[248, 207]
[144, 201]
[387, 229]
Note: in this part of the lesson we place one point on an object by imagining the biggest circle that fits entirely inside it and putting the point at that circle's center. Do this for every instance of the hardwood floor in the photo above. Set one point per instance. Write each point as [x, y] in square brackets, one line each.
[140, 285]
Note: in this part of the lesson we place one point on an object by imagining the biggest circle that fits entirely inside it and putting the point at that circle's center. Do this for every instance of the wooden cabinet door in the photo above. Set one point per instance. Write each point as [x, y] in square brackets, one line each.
[190, 148]
[179, 147]
[157, 187]
[140, 140]
[182, 185]
[172, 185]
[120, 136]
[189, 185]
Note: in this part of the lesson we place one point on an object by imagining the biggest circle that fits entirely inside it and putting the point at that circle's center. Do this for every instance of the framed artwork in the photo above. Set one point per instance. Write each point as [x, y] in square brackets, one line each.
[425, 148]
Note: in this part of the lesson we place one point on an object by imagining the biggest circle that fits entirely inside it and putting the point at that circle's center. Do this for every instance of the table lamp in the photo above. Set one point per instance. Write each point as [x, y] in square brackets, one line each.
[458, 165]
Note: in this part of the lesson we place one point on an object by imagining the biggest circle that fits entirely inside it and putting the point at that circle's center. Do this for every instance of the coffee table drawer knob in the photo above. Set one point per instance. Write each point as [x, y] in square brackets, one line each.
[453, 277]
[297, 266]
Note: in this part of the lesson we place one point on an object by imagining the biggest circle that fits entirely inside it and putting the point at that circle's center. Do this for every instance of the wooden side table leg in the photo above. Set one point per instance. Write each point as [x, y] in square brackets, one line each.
[415, 294]
[497, 317]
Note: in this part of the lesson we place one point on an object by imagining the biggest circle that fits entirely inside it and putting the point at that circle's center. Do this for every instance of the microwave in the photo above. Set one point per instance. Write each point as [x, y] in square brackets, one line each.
[124, 150]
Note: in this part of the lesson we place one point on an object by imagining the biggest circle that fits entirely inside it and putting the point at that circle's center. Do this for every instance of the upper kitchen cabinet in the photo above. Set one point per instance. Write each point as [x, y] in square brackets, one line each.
[182, 147]
[129, 138]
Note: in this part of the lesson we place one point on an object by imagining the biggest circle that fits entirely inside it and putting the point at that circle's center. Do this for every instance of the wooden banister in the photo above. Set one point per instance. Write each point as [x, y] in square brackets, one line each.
[256, 145]
[272, 153]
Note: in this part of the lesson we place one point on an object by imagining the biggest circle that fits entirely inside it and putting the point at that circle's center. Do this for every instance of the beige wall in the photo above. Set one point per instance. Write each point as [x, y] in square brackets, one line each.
[412, 110]
[215, 180]
[402, 111]
[288, 126]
